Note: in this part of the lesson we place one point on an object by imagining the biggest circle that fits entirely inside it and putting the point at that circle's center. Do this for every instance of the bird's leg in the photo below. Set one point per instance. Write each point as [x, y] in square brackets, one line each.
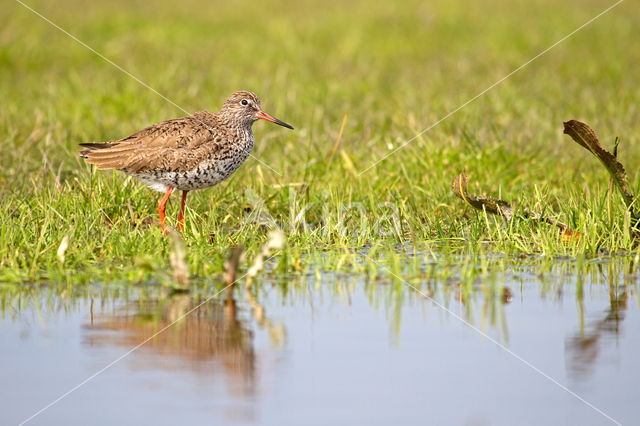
[183, 203]
[162, 206]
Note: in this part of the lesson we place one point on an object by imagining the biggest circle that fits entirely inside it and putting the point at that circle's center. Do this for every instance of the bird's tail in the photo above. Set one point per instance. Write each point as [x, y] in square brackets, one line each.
[93, 147]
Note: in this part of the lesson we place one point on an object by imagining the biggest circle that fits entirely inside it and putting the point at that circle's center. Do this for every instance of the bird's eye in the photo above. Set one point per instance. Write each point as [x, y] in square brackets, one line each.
[244, 102]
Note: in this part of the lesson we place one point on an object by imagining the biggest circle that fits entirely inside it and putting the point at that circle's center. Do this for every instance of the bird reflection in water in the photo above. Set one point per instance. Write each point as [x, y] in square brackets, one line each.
[216, 339]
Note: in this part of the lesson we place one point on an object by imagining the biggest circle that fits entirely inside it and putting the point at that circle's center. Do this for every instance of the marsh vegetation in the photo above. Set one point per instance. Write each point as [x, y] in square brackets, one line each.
[341, 260]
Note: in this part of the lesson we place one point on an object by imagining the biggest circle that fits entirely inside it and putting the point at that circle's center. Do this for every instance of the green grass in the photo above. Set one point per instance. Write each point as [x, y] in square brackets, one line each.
[392, 69]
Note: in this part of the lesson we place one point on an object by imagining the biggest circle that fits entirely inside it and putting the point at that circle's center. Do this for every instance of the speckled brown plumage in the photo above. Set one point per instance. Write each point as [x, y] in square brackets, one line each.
[193, 152]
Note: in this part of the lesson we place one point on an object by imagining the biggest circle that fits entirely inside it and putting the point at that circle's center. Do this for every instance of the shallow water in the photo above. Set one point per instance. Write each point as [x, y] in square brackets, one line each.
[331, 351]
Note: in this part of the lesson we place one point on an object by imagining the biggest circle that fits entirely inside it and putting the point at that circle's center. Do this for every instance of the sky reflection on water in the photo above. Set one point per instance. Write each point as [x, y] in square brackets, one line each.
[335, 351]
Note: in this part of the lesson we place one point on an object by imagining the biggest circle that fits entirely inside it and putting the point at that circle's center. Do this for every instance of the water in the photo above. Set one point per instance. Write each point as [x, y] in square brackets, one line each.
[330, 351]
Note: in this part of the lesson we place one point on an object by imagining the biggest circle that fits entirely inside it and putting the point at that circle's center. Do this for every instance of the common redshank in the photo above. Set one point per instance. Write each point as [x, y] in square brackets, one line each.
[193, 152]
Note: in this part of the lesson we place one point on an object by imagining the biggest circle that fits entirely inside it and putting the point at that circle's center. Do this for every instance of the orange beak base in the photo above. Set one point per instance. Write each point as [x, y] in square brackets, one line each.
[263, 115]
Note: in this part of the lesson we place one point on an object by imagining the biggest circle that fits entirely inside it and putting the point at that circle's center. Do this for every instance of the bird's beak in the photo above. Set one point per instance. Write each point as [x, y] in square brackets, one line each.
[265, 116]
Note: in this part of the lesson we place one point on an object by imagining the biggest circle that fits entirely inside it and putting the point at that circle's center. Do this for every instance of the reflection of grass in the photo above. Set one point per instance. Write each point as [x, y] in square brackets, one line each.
[475, 288]
[394, 68]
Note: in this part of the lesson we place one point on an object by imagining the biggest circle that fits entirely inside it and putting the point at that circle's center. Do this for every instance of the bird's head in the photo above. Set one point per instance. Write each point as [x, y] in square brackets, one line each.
[245, 105]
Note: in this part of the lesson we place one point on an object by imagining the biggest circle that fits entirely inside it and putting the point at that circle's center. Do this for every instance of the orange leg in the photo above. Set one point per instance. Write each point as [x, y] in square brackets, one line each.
[183, 203]
[162, 206]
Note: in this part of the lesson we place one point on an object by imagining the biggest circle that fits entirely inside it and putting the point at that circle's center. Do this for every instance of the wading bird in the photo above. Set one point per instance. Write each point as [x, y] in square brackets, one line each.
[187, 153]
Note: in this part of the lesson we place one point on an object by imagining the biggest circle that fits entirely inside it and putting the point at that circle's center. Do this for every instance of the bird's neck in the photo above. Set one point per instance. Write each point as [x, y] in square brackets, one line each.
[234, 123]
[241, 128]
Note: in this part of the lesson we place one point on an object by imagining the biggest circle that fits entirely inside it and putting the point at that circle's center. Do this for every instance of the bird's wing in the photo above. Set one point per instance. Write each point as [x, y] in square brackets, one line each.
[175, 145]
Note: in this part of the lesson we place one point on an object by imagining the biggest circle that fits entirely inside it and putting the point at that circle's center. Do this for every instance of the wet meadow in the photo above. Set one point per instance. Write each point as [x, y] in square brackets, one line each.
[448, 236]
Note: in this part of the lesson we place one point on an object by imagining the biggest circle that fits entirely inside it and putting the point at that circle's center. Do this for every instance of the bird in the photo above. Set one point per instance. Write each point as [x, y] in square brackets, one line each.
[187, 153]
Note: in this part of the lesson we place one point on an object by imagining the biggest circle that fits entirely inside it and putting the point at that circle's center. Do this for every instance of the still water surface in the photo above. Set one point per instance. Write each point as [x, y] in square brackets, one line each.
[330, 351]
